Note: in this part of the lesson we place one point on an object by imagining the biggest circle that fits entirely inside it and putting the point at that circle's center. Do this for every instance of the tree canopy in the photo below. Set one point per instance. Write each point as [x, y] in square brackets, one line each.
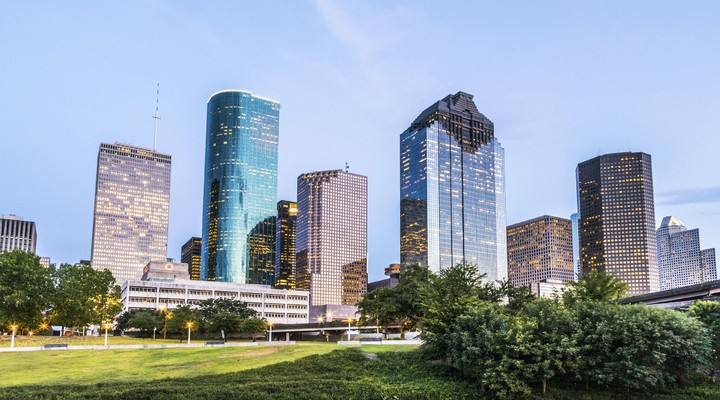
[26, 289]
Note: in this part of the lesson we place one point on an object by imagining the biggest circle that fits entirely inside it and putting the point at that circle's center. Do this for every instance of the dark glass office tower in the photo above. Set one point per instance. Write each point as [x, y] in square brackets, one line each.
[285, 245]
[452, 189]
[241, 161]
[190, 255]
[617, 219]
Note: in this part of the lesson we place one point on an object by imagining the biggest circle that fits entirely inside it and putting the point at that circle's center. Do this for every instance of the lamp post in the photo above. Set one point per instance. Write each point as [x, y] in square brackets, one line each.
[12, 341]
[350, 320]
[154, 330]
[189, 325]
[106, 329]
[270, 324]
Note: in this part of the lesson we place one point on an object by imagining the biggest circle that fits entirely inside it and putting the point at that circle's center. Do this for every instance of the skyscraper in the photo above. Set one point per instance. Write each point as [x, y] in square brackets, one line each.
[190, 255]
[241, 162]
[617, 219]
[576, 244]
[285, 245]
[331, 245]
[539, 249]
[17, 234]
[452, 189]
[680, 259]
[132, 205]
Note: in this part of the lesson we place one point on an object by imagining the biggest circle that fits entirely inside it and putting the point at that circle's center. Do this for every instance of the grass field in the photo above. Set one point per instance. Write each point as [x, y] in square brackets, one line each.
[305, 371]
[30, 341]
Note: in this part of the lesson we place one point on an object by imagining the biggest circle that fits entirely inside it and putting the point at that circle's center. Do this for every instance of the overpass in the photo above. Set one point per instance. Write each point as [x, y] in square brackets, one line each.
[680, 298]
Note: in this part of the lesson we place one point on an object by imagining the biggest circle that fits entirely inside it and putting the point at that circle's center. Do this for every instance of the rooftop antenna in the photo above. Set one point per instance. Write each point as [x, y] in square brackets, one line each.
[157, 115]
[347, 167]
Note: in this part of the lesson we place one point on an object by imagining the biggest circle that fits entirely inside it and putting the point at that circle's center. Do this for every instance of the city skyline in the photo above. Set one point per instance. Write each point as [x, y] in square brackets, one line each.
[581, 74]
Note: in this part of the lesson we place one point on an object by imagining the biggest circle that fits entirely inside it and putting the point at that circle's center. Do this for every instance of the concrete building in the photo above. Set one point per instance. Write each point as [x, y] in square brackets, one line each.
[241, 164]
[452, 190]
[190, 255]
[548, 288]
[617, 219]
[393, 273]
[681, 262]
[331, 244]
[17, 234]
[285, 267]
[132, 206]
[168, 285]
[540, 249]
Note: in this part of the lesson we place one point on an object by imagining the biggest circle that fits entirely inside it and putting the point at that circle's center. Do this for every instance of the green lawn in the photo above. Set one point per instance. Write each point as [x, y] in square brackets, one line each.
[305, 371]
[30, 341]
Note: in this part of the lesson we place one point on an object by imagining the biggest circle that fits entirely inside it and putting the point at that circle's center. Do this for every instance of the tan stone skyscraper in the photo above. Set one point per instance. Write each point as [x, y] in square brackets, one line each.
[132, 205]
[331, 244]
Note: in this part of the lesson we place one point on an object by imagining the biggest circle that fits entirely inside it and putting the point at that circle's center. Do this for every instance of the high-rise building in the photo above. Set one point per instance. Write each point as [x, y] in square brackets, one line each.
[331, 245]
[452, 190]
[680, 259]
[241, 163]
[190, 255]
[617, 219]
[576, 244]
[540, 249]
[285, 245]
[17, 234]
[132, 206]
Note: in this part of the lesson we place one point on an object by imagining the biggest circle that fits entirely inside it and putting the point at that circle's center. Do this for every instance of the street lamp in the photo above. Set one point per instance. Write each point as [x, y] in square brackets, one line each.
[106, 329]
[270, 324]
[189, 326]
[350, 320]
[329, 316]
[12, 342]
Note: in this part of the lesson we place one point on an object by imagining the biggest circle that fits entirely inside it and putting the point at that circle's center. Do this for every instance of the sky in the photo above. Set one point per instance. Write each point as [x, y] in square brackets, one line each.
[563, 82]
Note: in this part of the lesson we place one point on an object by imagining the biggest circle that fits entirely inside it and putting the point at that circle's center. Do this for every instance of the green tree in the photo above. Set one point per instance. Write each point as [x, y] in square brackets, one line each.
[379, 307]
[84, 296]
[252, 326]
[408, 297]
[26, 289]
[595, 286]
[181, 318]
[224, 315]
[708, 312]
[145, 321]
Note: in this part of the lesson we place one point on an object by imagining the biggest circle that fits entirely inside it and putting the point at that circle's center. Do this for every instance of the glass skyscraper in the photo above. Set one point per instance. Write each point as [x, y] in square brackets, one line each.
[681, 262]
[190, 255]
[285, 271]
[452, 190]
[132, 207]
[241, 162]
[617, 219]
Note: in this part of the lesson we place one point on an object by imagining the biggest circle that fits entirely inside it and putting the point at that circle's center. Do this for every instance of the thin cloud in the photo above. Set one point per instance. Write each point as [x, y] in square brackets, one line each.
[691, 196]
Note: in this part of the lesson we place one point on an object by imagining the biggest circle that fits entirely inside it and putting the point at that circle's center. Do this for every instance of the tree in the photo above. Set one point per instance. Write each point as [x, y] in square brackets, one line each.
[708, 312]
[252, 326]
[181, 318]
[144, 320]
[26, 288]
[595, 286]
[407, 295]
[84, 296]
[378, 307]
[224, 315]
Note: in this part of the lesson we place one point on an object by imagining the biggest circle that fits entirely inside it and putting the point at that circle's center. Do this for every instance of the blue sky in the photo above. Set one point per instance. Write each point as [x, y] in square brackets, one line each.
[562, 81]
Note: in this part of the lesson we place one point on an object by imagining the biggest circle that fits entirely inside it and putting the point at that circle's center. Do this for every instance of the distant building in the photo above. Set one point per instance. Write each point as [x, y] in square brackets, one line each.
[168, 285]
[17, 234]
[190, 255]
[132, 205]
[285, 268]
[548, 288]
[617, 219]
[45, 261]
[452, 189]
[241, 164]
[393, 273]
[331, 245]
[680, 259]
[576, 244]
[540, 249]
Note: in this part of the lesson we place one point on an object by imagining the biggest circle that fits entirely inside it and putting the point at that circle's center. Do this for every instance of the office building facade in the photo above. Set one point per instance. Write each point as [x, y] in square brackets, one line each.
[680, 259]
[576, 244]
[17, 234]
[132, 208]
[241, 162]
[540, 249]
[617, 219]
[190, 254]
[452, 190]
[285, 245]
[331, 245]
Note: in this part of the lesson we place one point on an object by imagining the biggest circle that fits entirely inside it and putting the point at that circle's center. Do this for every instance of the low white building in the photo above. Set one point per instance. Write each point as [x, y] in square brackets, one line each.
[548, 288]
[167, 284]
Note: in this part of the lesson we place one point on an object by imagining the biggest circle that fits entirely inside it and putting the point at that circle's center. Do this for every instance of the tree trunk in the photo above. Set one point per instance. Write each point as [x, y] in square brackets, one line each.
[544, 385]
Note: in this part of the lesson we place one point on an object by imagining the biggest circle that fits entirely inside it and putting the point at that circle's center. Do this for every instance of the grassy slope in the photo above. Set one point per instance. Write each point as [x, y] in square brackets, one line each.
[312, 371]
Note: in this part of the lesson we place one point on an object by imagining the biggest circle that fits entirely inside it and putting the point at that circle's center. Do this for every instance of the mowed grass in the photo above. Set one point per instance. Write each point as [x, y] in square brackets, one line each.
[132, 365]
[31, 341]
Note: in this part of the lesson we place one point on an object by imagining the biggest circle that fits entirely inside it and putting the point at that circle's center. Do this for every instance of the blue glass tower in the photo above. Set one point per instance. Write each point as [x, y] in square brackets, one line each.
[452, 190]
[239, 203]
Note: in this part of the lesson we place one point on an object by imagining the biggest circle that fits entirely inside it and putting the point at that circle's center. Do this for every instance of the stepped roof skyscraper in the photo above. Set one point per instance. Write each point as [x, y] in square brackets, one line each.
[132, 208]
[241, 163]
[681, 262]
[452, 189]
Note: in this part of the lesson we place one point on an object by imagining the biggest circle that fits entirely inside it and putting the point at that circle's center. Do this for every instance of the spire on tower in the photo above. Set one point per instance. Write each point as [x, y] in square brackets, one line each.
[157, 115]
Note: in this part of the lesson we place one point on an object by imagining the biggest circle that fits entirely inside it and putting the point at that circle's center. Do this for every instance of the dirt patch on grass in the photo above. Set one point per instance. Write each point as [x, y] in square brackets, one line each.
[247, 354]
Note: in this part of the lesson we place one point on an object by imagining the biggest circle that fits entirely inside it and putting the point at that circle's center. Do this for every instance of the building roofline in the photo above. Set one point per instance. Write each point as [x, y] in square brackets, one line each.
[536, 219]
[241, 91]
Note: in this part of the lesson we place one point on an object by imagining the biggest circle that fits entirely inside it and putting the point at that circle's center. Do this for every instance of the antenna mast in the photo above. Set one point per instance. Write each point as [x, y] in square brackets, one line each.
[347, 167]
[157, 115]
